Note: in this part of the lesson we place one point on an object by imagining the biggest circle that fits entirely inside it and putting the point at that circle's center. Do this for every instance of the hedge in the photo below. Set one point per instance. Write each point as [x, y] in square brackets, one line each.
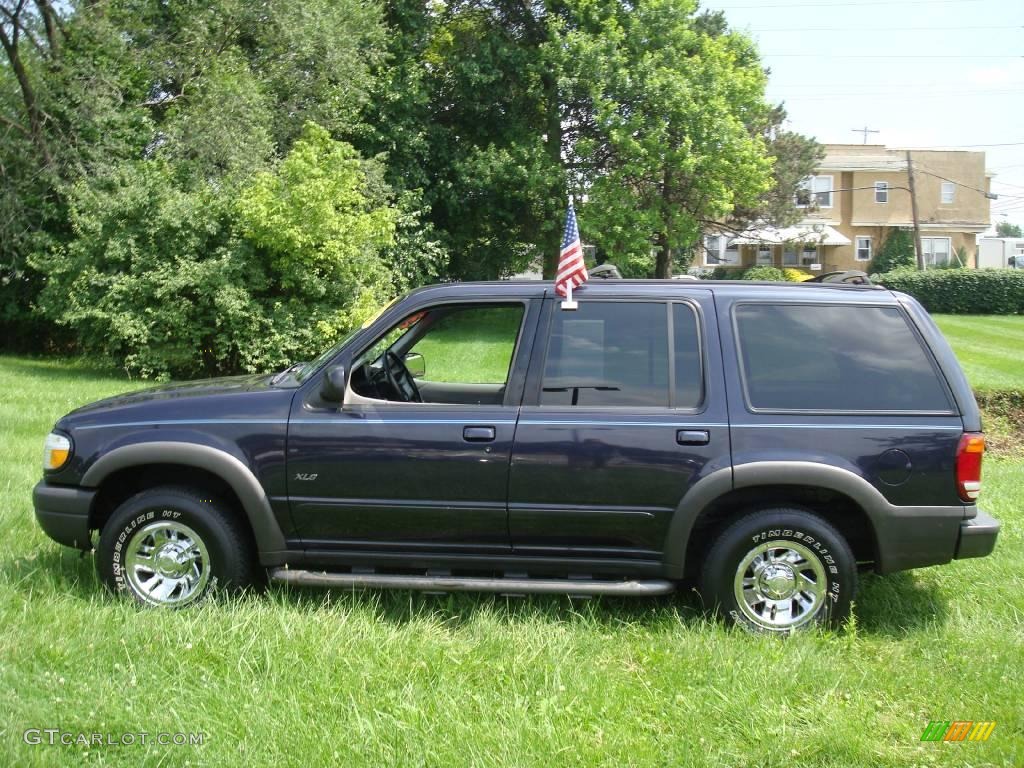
[962, 291]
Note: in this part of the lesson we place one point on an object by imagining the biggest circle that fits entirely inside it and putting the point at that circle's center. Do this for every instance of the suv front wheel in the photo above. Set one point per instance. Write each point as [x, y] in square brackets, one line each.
[779, 570]
[171, 546]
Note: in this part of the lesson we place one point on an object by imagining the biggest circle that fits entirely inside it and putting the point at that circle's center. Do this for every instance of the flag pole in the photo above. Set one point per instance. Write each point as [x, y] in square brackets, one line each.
[567, 302]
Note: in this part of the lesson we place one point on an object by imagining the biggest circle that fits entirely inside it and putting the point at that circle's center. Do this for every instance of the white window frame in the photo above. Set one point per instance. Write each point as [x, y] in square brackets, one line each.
[762, 251]
[928, 251]
[810, 184]
[948, 193]
[724, 246]
[863, 243]
[882, 192]
[809, 248]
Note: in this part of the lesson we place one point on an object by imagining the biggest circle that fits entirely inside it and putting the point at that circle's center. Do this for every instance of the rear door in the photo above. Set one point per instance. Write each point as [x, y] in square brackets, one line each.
[624, 410]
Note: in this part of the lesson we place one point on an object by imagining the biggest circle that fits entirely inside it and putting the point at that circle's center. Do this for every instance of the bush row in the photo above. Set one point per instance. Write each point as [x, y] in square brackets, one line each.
[961, 291]
[762, 272]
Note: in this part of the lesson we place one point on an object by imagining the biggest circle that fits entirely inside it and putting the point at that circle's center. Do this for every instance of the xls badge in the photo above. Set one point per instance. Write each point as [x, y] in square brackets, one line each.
[305, 476]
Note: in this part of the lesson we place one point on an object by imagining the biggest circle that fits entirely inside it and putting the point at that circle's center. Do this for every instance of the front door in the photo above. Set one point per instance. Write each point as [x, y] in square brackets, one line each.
[624, 411]
[384, 473]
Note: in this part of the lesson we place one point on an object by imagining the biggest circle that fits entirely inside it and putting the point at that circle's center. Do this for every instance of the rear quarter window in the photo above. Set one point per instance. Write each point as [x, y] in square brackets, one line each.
[833, 357]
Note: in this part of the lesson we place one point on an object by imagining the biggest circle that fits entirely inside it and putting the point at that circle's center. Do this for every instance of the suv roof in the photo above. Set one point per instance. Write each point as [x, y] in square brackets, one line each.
[604, 288]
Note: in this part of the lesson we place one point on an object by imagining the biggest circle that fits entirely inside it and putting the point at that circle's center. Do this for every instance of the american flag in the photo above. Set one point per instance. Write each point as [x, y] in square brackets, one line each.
[571, 269]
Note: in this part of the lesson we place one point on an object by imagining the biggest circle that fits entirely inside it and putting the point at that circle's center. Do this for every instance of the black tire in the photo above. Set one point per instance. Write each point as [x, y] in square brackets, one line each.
[808, 580]
[170, 529]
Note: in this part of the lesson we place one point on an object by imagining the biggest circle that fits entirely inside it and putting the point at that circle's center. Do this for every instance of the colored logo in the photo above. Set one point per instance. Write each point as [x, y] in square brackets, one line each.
[958, 730]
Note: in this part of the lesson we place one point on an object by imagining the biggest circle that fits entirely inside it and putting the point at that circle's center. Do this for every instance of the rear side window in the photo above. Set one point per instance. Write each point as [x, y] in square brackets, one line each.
[834, 358]
[608, 353]
[689, 370]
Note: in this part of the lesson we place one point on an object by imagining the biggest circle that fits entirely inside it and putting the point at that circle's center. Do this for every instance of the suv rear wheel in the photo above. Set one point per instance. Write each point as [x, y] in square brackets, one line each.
[779, 570]
[171, 546]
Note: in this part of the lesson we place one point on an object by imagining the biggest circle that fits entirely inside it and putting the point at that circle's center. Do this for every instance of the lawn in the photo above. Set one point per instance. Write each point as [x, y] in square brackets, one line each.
[990, 348]
[331, 678]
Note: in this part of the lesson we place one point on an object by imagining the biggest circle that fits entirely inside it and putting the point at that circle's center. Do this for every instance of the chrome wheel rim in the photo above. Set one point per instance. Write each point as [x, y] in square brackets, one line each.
[167, 563]
[780, 585]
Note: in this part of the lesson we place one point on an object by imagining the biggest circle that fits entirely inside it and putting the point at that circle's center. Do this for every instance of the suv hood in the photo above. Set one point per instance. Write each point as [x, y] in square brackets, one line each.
[225, 385]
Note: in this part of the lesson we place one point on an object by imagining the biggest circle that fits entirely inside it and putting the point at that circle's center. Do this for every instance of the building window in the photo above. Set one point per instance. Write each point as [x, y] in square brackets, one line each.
[936, 250]
[789, 257]
[881, 191]
[721, 251]
[948, 190]
[809, 255]
[815, 191]
[863, 249]
[764, 255]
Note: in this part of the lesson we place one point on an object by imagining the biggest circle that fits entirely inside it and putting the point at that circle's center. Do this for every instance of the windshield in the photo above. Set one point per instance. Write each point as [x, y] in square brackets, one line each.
[305, 371]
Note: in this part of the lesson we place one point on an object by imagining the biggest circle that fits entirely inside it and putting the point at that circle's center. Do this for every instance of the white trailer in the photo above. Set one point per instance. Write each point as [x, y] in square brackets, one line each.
[1001, 253]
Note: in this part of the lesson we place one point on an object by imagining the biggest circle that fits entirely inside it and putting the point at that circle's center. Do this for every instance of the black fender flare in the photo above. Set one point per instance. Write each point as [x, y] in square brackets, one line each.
[803, 473]
[269, 538]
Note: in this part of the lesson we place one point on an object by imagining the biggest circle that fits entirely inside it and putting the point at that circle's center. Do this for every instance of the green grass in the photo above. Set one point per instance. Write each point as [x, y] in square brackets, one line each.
[990, 348]
[318, 678]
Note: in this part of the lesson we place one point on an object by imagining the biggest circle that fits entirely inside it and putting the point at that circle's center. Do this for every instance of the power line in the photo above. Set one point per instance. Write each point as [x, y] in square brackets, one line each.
[893, 29]
[894, 55]
[918, 168]
[843, 5]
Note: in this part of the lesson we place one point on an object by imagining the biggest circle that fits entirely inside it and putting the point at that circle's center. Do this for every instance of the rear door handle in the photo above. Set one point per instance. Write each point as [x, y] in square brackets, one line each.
[692, 437]
[478, 434]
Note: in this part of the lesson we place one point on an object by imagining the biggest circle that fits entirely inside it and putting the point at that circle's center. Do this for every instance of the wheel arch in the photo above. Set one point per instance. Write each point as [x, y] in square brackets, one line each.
[137, 466]
[847, 501]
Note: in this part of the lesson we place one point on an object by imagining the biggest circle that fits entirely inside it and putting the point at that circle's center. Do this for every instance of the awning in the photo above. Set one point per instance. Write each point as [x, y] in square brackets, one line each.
[805, 234]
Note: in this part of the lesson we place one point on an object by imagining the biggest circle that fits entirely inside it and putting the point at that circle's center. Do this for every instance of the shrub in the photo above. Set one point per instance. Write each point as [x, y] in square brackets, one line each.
[167, 278]
[962, 291]
[897, 251]
[795, 275]
[764, 273]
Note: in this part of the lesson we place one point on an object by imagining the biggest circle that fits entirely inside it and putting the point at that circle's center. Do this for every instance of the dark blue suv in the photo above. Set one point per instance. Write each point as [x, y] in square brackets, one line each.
[762, 441]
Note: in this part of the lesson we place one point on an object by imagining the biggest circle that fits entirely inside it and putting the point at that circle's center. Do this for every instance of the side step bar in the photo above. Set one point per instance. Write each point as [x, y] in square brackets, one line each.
[473, 583]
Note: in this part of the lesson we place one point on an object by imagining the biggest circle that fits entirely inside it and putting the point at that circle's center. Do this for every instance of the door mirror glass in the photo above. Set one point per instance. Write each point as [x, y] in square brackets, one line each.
[332, 388]
[416, 364]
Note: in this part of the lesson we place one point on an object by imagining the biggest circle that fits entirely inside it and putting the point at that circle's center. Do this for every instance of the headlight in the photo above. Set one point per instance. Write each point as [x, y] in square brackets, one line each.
[56, 451]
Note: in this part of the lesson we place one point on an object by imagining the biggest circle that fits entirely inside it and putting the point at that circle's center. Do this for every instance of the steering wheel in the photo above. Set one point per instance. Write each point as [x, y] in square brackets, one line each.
[400, 379]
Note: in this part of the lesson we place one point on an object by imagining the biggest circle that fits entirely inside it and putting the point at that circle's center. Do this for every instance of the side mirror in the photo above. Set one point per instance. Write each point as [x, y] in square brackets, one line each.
[416, 365]
[332, 388]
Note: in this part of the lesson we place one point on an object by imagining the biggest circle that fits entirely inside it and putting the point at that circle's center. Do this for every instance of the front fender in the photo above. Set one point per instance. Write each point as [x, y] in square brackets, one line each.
[269, 538]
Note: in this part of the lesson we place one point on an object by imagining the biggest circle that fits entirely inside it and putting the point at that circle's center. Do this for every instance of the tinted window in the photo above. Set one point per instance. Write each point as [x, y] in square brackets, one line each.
[689, 374]
[835, 358]
[608, 353]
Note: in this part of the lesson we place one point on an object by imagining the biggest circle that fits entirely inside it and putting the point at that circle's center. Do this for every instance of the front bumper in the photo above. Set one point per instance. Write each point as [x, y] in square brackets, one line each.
[63, 513]
[977, 536]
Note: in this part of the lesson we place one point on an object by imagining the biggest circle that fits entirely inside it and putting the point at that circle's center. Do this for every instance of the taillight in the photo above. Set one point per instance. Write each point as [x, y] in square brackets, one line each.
[968, 465]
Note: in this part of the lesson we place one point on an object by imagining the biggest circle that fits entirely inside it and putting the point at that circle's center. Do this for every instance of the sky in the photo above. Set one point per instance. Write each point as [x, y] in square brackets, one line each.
[923, 73]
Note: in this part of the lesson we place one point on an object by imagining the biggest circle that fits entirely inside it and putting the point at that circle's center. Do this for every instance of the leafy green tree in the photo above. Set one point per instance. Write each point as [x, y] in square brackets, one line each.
[1006, 229]
[897, 252]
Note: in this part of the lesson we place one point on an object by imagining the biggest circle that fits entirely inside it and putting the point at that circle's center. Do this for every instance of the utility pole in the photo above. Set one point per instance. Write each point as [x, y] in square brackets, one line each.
[913, 210]
[865, 130]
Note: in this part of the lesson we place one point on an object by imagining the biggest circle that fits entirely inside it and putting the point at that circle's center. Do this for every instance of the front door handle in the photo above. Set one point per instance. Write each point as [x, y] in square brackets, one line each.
[692, 436]
[478, 434]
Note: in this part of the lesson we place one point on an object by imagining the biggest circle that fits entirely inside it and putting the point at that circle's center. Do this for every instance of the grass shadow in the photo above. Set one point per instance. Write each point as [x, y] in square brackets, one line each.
[898, 603]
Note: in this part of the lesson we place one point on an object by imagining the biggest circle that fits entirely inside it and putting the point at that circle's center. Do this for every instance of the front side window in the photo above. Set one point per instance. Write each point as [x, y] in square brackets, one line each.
[608, 353]
[863, 249]
[466, 345]
[881, 191]
[948, 191]
[829, 357]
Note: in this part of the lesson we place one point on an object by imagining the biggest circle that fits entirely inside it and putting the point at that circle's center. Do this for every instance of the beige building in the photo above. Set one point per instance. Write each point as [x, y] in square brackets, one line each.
[858, 196]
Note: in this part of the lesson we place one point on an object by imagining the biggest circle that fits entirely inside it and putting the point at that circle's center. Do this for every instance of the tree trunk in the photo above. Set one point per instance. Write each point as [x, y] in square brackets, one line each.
[663, 262]
[28, 95]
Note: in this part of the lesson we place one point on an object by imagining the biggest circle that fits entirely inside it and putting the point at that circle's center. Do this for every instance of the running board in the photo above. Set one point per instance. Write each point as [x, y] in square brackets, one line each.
[589, 587]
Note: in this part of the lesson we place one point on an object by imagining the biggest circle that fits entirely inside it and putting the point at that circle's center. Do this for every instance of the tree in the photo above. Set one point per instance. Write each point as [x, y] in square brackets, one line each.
[897, 252]
[1006, 229]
